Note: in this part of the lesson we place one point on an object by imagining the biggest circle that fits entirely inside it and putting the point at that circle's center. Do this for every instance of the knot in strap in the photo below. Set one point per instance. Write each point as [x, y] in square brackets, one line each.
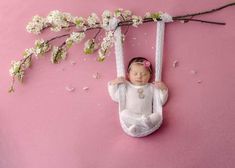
[166, 17]
[113, 23]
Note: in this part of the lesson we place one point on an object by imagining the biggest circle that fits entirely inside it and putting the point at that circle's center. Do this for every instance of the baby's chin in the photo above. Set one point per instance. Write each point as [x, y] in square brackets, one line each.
[138, 83]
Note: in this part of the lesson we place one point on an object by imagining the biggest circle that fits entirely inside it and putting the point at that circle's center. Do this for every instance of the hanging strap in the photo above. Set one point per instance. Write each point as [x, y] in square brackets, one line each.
[159, 50]
[119, 53]
[160, 29]
[120, 67]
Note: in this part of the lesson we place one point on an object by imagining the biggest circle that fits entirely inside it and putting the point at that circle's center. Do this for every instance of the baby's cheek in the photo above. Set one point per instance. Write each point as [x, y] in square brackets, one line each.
[146, 79]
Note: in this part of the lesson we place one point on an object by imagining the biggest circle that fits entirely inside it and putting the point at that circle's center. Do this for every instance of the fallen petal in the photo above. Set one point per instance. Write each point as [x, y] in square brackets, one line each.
[73, 62]
[199, 81]
[96, 75]
[85, 88]
[193, 72]
[175, 64]
[70, 89]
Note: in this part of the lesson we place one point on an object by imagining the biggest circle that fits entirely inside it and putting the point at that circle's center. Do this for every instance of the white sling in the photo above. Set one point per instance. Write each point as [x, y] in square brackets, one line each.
[157, 106]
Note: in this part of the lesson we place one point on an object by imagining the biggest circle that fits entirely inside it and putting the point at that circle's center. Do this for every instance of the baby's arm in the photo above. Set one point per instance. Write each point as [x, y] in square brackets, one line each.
[113, 88]
[163, 91]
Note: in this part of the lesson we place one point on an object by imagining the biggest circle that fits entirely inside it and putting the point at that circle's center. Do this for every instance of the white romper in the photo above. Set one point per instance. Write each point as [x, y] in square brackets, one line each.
[138, 113]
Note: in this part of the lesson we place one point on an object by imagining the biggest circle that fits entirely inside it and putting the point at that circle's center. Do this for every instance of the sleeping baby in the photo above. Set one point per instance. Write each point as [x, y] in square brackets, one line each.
[139, 93]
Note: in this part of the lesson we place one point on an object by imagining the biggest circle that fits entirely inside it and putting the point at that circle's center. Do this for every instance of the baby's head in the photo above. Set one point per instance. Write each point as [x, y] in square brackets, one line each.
[139, 71]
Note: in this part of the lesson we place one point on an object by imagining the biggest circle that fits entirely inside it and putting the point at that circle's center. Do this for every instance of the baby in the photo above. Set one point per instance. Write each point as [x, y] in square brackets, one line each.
[139, 95]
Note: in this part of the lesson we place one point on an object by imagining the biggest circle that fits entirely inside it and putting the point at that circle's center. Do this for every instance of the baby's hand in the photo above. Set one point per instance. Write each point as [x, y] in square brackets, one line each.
[160, 85]
[118, 80]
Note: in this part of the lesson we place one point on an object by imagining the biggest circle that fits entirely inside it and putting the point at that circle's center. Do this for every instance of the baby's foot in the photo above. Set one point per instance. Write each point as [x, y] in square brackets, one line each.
[146, 121]
[154, 118]
[133, 129]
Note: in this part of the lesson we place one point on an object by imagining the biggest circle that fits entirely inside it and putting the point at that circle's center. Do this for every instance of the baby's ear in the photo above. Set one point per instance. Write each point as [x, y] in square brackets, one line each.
[151, 79]
[127, 75]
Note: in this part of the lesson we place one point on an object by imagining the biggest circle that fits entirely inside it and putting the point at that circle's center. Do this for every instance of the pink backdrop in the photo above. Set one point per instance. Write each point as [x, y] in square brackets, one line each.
[44, 126]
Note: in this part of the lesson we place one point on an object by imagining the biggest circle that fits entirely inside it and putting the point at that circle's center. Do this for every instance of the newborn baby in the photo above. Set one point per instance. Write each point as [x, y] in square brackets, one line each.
[139, 95]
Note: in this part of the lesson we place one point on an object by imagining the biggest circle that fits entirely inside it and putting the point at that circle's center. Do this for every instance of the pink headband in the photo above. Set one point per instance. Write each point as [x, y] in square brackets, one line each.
[145, 63]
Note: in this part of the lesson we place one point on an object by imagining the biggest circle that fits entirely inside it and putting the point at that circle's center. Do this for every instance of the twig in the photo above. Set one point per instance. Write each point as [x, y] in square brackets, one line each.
[203, 21]
[127, 29]
[205, 12]
[97, 33]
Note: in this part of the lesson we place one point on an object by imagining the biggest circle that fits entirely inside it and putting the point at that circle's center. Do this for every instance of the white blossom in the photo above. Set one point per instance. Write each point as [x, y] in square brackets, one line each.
[90, 46]
[166, 17]
[147, 15]
[79, 21]
[28, 52]
[137, 20]
[155, 16]
[15, 68]
[68, 17]
[106, 16]
[107, 43]
[58, 54]
[77, 37]
[41, 47]
[58, 20]
[36, 25]
[126, 14]
[118, 12]
[108, 40]
[93, 20]
[101, 56]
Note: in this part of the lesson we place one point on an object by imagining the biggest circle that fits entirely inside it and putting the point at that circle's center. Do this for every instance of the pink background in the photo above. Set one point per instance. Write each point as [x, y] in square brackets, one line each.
[44, 126]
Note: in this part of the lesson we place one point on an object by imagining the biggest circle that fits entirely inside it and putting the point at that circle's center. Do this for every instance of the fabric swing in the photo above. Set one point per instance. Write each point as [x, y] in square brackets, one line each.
[157, 104]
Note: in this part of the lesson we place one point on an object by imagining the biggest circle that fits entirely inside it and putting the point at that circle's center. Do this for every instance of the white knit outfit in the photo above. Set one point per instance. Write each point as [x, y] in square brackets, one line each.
[139, 105]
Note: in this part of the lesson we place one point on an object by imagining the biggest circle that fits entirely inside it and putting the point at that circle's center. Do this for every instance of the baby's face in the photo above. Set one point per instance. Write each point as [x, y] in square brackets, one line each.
[138, 74]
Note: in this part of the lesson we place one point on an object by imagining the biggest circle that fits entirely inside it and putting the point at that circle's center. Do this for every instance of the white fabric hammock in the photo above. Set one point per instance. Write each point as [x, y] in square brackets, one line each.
[157, 105]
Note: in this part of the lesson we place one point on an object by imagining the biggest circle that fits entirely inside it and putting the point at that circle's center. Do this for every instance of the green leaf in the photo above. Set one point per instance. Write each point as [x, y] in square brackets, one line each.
[88, 50]
[69, 43]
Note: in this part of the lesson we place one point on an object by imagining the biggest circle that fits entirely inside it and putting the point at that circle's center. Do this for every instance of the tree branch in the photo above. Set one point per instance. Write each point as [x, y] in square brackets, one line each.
[205, 12]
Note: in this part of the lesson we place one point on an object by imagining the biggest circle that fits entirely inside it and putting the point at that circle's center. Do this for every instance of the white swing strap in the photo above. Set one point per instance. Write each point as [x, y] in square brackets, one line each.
[160, 29]
[159, 50]
[120, 66]
[119, 52]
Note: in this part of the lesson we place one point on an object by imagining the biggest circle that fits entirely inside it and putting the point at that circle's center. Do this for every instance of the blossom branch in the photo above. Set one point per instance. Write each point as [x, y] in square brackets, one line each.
[58, 21]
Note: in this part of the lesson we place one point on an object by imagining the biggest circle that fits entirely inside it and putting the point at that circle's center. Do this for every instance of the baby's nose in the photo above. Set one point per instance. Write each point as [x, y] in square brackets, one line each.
[139, 75]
